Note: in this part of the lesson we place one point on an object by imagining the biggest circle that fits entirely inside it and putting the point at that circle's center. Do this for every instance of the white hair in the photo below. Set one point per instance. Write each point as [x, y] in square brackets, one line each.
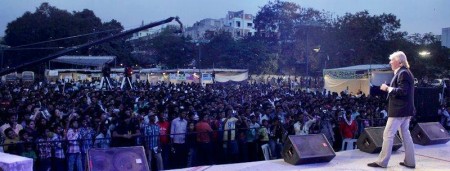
[400, 57]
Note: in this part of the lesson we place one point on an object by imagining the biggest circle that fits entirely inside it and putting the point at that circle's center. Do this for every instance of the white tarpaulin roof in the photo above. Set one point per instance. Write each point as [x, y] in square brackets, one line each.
[356, 78]
[365, 67]
[85, 60]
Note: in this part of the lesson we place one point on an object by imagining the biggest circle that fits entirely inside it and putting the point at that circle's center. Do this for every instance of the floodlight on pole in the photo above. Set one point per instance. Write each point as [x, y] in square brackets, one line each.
[424, 53]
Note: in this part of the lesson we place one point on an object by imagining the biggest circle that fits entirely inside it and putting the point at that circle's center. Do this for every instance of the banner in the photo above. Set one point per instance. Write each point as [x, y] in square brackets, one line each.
[53, 73]
[189, 77]
[173, 77]
[181, 77]
[225, 77]
[206, 77]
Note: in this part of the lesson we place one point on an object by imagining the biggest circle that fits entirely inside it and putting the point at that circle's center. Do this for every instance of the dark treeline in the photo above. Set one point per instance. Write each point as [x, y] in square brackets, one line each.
[288, 38]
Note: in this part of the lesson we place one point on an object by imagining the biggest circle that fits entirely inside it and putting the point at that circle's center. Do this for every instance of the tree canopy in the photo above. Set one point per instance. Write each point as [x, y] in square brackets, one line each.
[48, 29]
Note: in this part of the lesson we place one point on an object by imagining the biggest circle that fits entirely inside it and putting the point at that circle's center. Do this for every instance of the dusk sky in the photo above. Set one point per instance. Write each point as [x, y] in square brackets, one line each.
[416, 16]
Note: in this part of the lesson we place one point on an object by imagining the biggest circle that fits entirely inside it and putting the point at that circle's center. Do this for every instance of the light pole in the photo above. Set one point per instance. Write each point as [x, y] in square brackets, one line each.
[1, 62]
[199, 54]
[308, 24]
[2, 49]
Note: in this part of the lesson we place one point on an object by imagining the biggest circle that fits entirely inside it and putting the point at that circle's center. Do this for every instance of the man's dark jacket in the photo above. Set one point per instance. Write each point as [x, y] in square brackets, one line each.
[401, 98]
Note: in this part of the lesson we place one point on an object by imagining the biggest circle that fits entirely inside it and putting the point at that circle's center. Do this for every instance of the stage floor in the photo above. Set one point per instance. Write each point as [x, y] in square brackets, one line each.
[432, 157]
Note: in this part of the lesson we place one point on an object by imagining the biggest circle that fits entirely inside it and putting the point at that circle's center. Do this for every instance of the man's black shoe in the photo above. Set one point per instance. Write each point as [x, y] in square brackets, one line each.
[373, 165]
[403, 164]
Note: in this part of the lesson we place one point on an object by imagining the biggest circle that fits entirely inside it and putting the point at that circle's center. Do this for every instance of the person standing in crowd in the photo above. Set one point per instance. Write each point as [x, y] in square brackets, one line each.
[218, 125]
[241, 132]
[178, 130]
[12, 123]
[326, 126]
[192, 144]
[152, 142]
[230, 145]
[87, 134]
[58, 148]
[204, 141]
[126, 132]
[264, 116]
[11, 140]
[44, 150]
[252, 138]
[74, 152]
[280, 113]
[400, 110]
[363, 121]
[263, 136]
[31, 129]
[348, 126]
[164, 131]
[445, 116]
[310, 120]
[103, 138]
[275, 135]
[297, 128]
[27, 143]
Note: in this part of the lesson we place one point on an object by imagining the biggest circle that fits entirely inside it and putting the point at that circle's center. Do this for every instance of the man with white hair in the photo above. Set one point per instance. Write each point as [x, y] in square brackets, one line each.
[400, 110]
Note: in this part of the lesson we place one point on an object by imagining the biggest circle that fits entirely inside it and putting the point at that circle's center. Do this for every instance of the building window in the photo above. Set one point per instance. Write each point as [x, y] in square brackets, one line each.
[238, 23]
[249, 34]
[249, 24]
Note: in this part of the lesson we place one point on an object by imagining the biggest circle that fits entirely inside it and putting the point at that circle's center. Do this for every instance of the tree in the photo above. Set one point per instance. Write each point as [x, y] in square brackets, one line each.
[48, 23]
[168, 49]
[121, 48]
[220, 51]
[291, 30]
[364, 35]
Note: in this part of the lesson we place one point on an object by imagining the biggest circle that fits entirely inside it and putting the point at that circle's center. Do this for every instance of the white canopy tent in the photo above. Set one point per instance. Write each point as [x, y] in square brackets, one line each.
[96, 61]
[355, 78]
[221, 74]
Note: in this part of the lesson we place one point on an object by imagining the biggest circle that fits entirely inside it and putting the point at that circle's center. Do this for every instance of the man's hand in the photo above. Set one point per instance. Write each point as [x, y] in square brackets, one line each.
[384, 87]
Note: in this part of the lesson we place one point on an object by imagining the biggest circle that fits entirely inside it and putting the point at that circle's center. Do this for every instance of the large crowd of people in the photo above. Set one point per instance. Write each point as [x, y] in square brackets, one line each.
[180, 125]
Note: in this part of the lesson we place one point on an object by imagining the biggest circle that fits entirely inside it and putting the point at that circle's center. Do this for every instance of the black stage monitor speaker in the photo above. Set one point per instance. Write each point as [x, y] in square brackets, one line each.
[371, 140]
[429, 133]
[305, 149]
[118, 159]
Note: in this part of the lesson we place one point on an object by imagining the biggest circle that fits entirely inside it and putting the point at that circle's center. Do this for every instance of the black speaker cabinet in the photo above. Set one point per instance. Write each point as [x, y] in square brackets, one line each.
[426, 101]
[429, 133]
[118, 159]
[305, 149]
[371, 140]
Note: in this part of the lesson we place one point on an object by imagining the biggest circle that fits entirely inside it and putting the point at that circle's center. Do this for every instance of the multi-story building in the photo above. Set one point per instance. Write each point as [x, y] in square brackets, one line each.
[204, 28]
[241, 23]
[445, 37]
[237, 23]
